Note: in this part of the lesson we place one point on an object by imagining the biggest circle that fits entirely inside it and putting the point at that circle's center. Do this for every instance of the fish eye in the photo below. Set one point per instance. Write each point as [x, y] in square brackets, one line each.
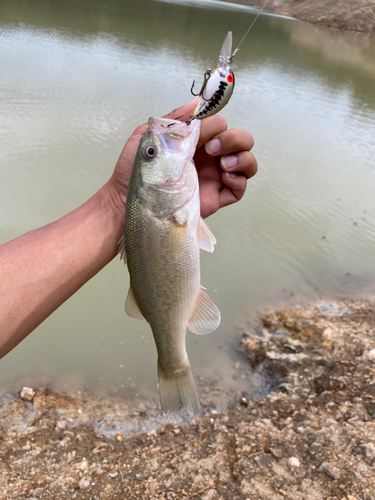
[149, 151]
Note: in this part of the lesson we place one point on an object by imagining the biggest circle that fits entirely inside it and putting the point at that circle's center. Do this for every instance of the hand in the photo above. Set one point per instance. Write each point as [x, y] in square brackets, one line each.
[223, 161]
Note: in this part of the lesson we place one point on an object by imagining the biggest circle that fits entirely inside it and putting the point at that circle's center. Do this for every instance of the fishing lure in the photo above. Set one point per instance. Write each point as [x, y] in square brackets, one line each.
[218, 84]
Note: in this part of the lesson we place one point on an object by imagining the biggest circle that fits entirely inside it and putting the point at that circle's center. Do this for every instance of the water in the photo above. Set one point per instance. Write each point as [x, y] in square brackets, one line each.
[77, 78]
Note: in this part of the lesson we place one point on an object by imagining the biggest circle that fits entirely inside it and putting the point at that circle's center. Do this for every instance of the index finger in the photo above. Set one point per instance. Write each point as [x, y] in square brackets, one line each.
[183, 113]
[210, 127]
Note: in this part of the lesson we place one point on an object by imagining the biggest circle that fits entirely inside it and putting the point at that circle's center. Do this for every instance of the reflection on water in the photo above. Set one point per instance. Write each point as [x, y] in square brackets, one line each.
[75, 80]
[349, 48]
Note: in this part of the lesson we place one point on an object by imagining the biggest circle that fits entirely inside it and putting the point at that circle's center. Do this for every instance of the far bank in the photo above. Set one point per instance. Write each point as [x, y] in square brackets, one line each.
[355, 15]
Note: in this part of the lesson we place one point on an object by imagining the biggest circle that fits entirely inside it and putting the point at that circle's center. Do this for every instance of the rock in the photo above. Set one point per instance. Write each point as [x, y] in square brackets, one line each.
[369, 450]
[100, 448]
[85, 482]
[371, 354]
[330, 470]
[27, 394]
[82, 466]
[27, 446]
[270, 320]
[254, 348]
[277, 453]
[61, 425]
[99, 471]
[112, 475]
[72, 482]
[39, 479]
[210, 495]
[293, 462]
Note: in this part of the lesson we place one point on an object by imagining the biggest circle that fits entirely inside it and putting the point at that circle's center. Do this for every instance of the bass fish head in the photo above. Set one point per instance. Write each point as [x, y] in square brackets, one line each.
[165, 150]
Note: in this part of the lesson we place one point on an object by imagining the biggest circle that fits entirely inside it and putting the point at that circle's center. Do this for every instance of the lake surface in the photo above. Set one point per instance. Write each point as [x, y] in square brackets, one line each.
[76, 78]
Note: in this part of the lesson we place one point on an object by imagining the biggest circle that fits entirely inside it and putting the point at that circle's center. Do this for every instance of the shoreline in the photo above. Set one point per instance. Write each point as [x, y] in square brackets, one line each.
[312, 436]
[354, 15]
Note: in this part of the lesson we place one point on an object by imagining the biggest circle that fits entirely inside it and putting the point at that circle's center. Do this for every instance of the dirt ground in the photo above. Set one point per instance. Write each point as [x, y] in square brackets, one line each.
[311, 438]
[357, 15]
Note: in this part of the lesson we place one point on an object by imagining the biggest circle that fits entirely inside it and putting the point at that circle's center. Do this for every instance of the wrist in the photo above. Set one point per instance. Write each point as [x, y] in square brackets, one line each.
[113, 204]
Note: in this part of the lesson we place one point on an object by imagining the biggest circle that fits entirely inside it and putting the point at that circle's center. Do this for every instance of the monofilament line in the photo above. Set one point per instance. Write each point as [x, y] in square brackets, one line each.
[252, 24]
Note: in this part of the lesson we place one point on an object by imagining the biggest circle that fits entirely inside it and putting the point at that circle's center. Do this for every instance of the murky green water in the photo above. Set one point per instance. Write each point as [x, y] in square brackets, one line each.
[77, 77]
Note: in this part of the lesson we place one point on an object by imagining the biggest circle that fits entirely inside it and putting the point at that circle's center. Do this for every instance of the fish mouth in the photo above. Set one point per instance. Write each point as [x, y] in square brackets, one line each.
[173, 134]
[172, 128]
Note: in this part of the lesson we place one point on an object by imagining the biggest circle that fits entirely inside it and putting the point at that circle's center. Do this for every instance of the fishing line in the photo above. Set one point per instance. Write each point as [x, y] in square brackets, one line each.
[245, 35]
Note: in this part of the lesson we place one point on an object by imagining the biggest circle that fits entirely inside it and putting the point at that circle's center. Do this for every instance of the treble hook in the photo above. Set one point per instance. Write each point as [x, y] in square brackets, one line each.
[206, 78]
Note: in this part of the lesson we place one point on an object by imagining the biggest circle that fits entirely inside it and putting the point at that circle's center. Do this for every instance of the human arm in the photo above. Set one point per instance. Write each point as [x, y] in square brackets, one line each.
[43, 268]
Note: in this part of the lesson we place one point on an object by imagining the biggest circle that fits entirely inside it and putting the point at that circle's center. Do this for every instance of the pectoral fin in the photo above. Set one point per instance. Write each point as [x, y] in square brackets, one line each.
[131, 306]
[206, 240]
[206, 316]
[122, 249]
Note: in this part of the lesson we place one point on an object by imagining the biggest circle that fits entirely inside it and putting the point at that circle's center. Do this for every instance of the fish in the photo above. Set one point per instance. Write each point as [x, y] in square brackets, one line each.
[164, 233]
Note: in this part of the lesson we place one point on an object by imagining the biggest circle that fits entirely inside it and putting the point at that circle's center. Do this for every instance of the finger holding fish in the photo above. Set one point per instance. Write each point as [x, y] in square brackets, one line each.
[232, 142]
[233, 190]
[229, 141]
[233, 147]
[222, 184]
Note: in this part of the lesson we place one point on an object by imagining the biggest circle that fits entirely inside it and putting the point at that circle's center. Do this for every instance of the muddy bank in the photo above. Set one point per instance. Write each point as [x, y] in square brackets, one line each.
[356, 15]
[311, 438]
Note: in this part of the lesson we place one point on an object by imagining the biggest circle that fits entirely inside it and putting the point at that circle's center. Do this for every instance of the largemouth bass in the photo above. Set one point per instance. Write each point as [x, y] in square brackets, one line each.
[163, 235]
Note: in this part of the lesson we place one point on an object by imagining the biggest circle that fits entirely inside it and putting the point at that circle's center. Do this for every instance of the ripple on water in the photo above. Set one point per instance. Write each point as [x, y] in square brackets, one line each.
[71, 94]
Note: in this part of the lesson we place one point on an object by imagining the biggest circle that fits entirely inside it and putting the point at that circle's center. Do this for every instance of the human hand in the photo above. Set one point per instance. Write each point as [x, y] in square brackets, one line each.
[220, 183]
[224, 164]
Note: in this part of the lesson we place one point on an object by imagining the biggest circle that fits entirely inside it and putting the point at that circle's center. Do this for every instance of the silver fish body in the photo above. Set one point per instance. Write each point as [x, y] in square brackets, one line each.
[163, 235]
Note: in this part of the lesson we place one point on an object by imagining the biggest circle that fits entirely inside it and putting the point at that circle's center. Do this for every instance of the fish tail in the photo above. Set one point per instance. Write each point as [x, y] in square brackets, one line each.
[178, 390]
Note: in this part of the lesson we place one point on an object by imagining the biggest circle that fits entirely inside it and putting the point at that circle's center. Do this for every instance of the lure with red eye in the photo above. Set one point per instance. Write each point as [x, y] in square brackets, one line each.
[218, 84]
[216, 94]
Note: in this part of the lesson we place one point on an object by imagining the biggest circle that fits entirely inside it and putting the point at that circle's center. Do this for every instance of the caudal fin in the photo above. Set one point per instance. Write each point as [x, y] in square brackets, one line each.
[178, 391]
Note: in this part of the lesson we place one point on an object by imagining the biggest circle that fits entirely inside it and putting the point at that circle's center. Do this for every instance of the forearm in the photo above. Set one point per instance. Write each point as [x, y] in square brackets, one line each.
[43, 268]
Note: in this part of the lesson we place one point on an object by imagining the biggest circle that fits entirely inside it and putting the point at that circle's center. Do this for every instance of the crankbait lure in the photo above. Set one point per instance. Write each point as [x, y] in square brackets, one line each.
[218, 84]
